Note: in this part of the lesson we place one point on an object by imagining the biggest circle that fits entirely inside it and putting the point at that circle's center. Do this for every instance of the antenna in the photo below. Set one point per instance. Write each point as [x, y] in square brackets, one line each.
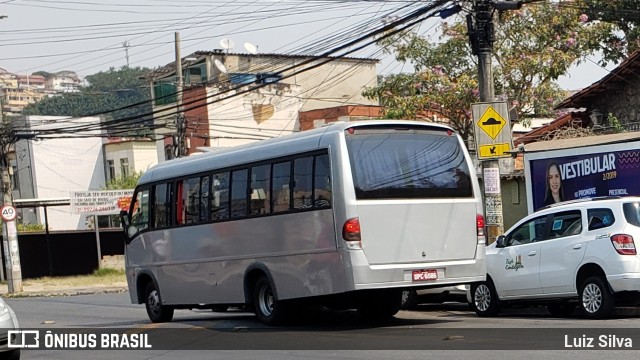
[252, 49]
[220, 66]
[227, 44]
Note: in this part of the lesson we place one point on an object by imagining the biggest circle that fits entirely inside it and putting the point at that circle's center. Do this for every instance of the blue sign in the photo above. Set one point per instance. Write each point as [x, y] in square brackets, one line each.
[615, 173]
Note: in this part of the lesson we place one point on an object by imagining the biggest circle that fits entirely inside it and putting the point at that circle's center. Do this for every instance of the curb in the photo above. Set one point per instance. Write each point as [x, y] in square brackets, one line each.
[66, 292]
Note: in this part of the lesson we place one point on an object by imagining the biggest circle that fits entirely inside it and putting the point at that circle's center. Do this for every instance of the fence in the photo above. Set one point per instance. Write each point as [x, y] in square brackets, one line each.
[65, 253]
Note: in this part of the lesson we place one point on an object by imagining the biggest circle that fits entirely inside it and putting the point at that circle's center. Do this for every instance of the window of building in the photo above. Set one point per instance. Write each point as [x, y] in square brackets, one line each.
[111, 170]
[164, 93]
[124, 167]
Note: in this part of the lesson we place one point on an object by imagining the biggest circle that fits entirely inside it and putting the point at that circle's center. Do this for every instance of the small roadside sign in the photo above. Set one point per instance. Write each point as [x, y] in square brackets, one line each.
[491, 122]
[492, 130]
[8, 213]
[487, 151]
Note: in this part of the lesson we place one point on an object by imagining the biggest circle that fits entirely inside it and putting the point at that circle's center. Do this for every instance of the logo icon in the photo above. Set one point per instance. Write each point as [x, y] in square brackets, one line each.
[23, 338]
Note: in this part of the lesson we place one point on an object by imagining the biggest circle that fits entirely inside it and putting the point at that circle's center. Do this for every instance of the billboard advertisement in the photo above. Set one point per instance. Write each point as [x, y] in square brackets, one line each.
[577, 176]
[103, 202]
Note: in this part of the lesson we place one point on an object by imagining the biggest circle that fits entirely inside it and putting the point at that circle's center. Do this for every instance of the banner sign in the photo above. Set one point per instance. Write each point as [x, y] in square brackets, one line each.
[100, 202]
[564, 178]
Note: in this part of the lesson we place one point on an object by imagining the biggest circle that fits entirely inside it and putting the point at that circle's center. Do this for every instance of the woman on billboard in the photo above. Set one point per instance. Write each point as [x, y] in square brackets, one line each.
[554, 192]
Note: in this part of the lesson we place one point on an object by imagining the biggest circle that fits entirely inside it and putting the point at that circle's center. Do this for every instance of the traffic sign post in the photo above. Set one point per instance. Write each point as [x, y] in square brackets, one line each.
[492, 130]
[493, 141]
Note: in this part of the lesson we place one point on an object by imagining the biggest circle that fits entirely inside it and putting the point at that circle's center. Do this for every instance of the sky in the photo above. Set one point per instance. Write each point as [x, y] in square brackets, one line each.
[88, 36]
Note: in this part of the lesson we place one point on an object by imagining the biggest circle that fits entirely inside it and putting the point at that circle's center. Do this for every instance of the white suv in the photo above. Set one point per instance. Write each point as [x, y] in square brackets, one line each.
[575, 253]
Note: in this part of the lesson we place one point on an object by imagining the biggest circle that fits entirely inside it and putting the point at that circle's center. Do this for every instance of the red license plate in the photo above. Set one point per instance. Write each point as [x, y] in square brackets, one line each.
[423, 275]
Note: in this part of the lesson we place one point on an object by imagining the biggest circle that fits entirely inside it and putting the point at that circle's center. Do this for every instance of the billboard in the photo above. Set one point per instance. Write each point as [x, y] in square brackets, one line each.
[100, 202]
[576, 174]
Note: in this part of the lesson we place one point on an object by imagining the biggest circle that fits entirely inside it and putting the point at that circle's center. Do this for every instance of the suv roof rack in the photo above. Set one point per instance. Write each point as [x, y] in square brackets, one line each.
[597, 198]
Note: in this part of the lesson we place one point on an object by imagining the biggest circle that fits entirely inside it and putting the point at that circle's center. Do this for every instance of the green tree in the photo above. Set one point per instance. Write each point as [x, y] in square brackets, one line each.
[109, 90]
[624, 16]
[124, 182]
[534, 46]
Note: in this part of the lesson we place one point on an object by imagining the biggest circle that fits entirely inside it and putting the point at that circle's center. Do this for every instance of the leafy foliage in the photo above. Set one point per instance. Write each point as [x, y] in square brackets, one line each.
[534, 46]
[624, 16]
[106, 91]
[124, 182]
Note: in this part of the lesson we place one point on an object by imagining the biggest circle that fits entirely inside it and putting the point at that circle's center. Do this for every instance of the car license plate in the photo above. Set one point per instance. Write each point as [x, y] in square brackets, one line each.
[423, 275]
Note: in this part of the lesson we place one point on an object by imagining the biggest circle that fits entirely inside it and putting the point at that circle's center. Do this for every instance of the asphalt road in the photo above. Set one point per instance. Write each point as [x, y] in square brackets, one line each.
[416, 334]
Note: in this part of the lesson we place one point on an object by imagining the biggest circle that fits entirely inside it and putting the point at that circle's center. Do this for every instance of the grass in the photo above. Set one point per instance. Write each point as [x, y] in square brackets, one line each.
[104, 277]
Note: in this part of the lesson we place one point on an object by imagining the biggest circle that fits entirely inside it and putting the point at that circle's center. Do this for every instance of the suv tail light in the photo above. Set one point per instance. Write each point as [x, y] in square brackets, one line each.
[480, 229]
[624, 244]
[351, 230]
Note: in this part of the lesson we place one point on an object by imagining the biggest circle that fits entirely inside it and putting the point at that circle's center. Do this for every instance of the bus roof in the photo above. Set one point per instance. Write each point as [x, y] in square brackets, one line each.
[203, 161]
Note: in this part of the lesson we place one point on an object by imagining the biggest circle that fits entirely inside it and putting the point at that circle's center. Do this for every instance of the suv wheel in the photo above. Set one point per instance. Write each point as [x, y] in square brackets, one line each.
[595, 299]
[484, 300]
[409, 299]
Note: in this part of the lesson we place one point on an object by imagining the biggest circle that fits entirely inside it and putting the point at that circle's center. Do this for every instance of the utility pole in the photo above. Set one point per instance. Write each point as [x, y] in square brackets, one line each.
[179, 139]
[126, 45]
[481, 34]
[9, 229]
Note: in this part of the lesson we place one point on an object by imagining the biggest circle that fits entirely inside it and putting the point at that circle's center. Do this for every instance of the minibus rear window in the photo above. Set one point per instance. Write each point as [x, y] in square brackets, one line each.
[408, 162]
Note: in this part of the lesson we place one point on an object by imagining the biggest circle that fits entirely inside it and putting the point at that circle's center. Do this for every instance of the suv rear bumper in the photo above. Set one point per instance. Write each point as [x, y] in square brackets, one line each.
[624, 282]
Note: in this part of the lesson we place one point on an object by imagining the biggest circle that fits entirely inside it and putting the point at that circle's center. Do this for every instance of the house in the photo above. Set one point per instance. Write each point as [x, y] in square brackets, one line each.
[616, 94]
[231, 99]
[63, 81]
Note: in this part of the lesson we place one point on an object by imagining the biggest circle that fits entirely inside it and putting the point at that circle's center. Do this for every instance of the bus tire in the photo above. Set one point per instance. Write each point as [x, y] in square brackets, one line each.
[380, 306]
[269, 310]
[157, 312]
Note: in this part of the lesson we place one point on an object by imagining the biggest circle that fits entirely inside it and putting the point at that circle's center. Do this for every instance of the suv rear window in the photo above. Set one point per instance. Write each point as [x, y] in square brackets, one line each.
[407, 162]
[632, 213]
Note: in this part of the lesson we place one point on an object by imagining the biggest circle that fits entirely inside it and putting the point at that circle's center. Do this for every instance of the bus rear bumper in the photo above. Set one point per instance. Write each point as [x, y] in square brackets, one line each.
[418, 275]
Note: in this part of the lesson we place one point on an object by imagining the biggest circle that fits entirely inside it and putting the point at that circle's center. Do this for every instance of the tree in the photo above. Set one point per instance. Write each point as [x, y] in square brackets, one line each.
[124, 182]
[106, 91]
[624, 16]
[534, 46]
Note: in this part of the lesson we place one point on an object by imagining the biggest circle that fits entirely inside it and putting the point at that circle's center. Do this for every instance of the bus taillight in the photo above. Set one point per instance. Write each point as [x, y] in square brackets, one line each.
[351, 230]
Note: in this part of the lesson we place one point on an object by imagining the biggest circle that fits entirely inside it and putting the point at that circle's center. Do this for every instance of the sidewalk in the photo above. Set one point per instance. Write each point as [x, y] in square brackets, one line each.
[54, 288]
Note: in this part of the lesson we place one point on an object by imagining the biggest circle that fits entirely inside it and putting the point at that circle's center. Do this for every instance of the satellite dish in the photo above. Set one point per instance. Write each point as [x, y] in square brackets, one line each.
[252, 49]
[227, 44]
[220, 66]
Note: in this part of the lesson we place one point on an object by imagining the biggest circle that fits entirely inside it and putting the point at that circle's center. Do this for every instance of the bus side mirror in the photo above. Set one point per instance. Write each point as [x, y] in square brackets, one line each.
[126, 224]
[501, 241]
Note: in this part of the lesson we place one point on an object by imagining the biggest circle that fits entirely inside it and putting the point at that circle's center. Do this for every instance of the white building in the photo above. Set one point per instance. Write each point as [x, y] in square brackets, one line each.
[233, 99]
[52, 168]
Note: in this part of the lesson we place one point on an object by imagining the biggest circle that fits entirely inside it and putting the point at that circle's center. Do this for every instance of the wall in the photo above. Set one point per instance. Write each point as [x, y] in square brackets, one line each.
[140, 154]
[262, 114]
[52, 168]
[624, 104]
[65, 253]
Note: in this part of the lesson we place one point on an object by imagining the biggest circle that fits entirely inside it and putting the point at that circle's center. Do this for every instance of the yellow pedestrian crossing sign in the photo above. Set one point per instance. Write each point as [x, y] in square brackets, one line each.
[491, 122]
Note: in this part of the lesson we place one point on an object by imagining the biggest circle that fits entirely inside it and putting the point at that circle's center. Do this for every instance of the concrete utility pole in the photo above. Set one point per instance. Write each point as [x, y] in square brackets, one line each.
[9, 229]
[481, 34]
[179, 139]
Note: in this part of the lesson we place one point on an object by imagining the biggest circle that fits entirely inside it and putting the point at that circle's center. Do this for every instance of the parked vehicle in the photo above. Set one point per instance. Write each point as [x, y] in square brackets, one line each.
[576, 253]
[8, 321]
[412, 298]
